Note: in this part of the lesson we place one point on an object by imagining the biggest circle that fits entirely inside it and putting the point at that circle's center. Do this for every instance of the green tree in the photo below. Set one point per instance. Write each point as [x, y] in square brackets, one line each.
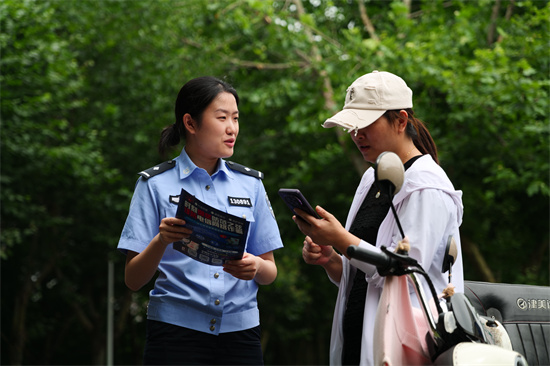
[63, 199]
[87, 87]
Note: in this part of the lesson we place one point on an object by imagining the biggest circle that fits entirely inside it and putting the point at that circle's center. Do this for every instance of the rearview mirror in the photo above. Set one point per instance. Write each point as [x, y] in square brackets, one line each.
[451, 252]
[389, 168]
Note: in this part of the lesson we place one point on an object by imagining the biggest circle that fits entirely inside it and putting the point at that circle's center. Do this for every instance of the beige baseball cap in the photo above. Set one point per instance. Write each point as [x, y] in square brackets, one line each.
[369, 97]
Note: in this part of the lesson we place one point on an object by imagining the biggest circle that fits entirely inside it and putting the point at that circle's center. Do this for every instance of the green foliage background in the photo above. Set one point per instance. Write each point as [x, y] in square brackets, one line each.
[86, 87]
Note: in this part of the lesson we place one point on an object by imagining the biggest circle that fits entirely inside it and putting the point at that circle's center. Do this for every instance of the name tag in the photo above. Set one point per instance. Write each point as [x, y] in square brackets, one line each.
[239, 201]
[175, 199]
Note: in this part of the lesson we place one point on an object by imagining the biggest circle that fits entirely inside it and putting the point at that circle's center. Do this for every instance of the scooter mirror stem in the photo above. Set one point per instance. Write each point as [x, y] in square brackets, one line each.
[397, 221]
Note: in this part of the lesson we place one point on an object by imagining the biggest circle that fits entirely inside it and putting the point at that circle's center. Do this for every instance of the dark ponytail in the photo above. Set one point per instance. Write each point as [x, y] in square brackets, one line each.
[193, 98]
[417, 131]
[170, 136]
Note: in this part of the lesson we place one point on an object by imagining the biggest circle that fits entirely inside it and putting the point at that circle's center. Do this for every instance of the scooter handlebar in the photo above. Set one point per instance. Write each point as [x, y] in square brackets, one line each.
[380, 260]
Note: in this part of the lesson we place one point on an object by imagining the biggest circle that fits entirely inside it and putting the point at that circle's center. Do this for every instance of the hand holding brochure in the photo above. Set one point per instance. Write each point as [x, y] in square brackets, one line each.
[217, 236]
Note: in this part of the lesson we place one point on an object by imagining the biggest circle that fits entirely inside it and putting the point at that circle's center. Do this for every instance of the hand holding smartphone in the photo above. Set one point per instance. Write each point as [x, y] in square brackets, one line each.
[295, 199]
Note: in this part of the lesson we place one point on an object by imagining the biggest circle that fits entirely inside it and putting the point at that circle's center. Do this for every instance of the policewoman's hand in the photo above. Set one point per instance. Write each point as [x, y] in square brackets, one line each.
[245, 268]
[171, 230]
[261, 269]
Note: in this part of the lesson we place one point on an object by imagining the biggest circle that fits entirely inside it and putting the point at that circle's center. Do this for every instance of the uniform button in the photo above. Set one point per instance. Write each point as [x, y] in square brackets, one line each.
[207, 188]
[216, 275]
[213, 321]
[212, 328]
[217, 302]
[244, 217]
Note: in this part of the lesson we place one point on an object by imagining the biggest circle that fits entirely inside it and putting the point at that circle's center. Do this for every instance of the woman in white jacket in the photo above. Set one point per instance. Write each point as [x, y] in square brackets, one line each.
[378, 114]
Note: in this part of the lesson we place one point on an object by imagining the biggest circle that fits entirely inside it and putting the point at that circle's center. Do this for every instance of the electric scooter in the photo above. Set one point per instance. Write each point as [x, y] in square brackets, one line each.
[446, 329]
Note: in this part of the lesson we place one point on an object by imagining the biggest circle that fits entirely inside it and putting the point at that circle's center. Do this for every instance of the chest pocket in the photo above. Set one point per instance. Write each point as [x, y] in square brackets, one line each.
[243, 212]
[241, 206]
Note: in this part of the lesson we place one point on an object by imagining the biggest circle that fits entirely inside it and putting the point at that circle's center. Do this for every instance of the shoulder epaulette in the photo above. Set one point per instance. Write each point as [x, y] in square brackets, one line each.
[245, 170]
[157, 169]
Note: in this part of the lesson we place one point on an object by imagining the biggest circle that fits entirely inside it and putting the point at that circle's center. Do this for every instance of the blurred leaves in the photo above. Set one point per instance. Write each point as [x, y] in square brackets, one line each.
[87, 86]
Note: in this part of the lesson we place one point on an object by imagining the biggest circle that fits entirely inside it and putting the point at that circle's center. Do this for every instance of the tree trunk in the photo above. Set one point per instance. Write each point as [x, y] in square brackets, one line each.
[472, 251]
[19, 329]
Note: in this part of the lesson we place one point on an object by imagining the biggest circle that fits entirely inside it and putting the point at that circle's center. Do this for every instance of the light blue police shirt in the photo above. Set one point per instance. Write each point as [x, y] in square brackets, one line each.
[189, 293]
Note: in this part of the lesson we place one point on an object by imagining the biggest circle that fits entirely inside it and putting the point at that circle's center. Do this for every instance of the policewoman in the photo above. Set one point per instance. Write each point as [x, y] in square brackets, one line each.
[200, 313]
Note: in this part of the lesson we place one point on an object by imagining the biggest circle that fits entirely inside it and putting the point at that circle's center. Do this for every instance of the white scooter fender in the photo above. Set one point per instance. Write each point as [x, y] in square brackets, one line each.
[479, 354]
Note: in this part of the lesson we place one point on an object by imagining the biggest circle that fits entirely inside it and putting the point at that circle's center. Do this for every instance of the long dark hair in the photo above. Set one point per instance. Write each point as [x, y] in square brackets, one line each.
[417, 131]
[193, 98]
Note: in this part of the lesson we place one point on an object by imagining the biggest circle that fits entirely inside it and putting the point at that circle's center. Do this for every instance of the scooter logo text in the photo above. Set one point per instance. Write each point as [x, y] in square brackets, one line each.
[533, 304]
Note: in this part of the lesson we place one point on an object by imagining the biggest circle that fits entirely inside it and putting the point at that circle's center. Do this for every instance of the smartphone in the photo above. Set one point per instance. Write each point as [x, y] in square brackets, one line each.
[295, 199]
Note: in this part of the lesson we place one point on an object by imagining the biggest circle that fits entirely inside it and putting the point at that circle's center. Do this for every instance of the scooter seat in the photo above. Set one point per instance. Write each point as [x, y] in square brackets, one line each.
[523, 310]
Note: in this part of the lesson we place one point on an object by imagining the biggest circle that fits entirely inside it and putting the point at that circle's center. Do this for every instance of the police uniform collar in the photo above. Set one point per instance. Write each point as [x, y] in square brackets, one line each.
[222, 167]
[187, 166]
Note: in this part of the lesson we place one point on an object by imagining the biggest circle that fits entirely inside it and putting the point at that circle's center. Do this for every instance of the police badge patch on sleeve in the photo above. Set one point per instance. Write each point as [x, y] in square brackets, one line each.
[239, 201]
[269, 205]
